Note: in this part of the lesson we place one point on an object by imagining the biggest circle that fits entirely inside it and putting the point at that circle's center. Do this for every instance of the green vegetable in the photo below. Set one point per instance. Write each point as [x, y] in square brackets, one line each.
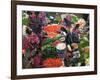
[74, 19]
[25, 21]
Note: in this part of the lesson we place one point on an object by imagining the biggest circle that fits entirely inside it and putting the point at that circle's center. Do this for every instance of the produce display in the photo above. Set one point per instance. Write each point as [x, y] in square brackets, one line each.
[53, 39]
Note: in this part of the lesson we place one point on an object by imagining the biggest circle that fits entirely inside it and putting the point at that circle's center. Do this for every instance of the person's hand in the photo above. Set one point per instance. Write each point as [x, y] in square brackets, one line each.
[69, 47]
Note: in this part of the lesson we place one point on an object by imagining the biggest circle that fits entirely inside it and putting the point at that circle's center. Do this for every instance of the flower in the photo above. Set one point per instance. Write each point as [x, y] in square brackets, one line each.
[52, 62]
[82, 23]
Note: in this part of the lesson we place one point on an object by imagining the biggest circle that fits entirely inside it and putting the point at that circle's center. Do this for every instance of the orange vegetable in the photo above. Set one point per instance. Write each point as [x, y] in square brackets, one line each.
[51, 30]
[52, 62]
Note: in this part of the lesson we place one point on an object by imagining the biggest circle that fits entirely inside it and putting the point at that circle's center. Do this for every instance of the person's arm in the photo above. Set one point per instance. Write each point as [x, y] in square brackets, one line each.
[69, 47]
[76, 38]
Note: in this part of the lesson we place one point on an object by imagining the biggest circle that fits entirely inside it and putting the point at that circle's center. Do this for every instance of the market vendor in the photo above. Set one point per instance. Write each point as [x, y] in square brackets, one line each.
[76, 54]
[72, 37]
